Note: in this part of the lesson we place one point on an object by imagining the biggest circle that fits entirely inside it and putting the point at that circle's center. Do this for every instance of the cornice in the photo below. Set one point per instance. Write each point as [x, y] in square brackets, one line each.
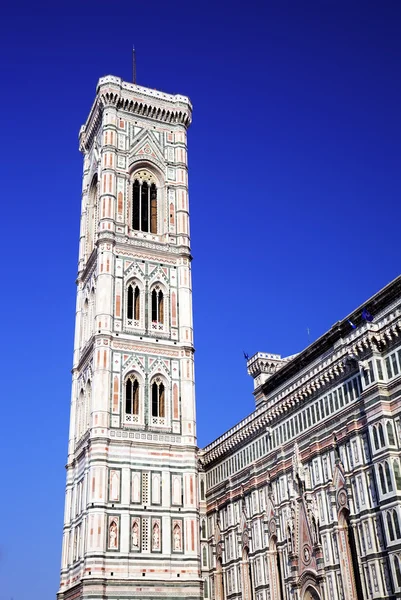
[160, 247]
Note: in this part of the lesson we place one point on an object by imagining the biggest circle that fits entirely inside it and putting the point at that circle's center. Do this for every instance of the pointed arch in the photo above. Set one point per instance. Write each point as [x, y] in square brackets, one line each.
[204, 556]
[158, 400]
[132, 398]
[397, 473]
[390, 527]
[390, 433]
[396, 521]
[88, 404]
[382, 480]
[375, 438]
[274, 566]
[84, 322]
[144, 212]
[202, 489]
[134, 303]
[388, 476]
[348, 549]
[381, 434]
[91, 208]
[175, 402]
[157, 299]
[311, 594]
[80, 413]
[203, 529]
[396, 562]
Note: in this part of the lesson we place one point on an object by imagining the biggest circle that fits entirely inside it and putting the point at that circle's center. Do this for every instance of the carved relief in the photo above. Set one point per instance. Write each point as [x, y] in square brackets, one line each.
[177, 536]
[135, 534]
[156, 527]
[113, 538]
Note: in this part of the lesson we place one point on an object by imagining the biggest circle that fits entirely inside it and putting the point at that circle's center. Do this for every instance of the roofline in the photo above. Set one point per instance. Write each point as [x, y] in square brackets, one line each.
[337, 331]
[341, 329]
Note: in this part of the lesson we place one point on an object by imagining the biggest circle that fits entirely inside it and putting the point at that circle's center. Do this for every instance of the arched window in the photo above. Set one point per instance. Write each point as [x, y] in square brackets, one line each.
[131, 399]
[388, 477]
[88, 404]
[202, 490]
[397, 570]
[80, 414]
[396, 524]
[133, 302]
[158, 399]
[390, 527]
[84, 322]
[381, 434]
[205, 589]
[375, 438]
[390, 433]
[144, 204]
[75, 551]
[203, 529]
[204, 556]
[90, 216]
[397, 474]
[382, 480]
[157, 306]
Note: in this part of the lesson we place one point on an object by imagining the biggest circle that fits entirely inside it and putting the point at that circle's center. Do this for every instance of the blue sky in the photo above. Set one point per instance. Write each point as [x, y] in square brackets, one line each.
[295, 187]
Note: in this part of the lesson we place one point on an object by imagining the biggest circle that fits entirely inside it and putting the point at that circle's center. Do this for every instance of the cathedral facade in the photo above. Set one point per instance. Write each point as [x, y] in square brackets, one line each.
[302, 499]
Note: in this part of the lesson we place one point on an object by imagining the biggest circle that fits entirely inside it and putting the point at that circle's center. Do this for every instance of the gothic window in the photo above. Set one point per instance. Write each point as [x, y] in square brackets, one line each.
[87, 408]
[388, 477]
[133, 302]
[80, 414]
[397, 570]
[397, 474]
[390, 527]
[132, 399]
[202, 490]
[204, 556]
[203, 529]
[157, 306]
[84, 322]
[158, 399]
[381, 434]
[144, 204]
[90, 216]
[375, 438]
[396, 524]
[382, 480]
[390, 433]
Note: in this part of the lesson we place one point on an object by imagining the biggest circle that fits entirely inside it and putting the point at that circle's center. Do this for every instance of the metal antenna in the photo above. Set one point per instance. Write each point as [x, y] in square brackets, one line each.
[133, 65]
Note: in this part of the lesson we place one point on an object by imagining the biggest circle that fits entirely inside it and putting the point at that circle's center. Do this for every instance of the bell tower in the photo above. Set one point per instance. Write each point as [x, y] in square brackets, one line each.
[131, 521]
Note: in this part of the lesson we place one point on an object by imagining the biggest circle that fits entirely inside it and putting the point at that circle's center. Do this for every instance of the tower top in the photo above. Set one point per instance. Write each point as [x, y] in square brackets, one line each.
[113, 92]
